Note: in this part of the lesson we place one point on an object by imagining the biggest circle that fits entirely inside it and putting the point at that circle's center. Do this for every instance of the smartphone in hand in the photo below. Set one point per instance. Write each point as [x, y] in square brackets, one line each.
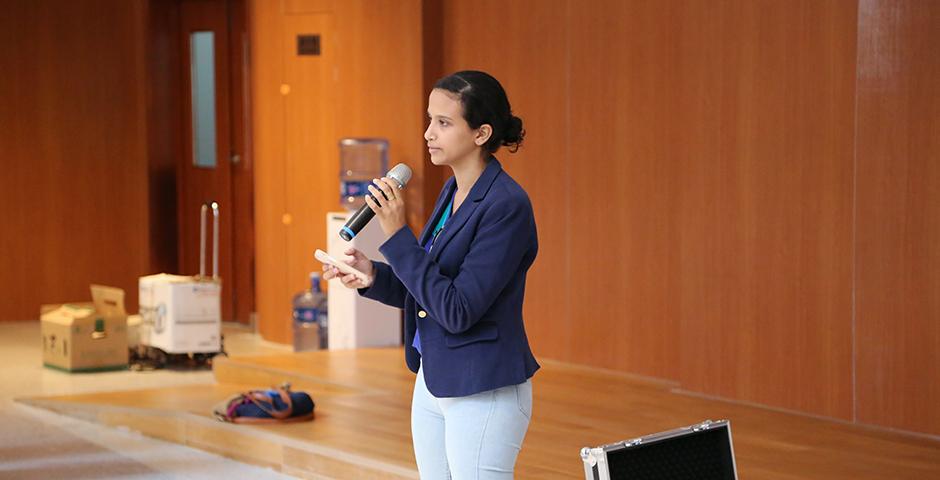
[326, 258]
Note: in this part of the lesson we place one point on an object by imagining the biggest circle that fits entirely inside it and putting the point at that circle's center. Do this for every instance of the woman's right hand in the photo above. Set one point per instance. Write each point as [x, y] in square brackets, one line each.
[359, 262]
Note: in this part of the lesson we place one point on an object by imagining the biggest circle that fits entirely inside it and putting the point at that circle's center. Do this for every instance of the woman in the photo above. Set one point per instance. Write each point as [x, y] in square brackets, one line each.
[461, 285]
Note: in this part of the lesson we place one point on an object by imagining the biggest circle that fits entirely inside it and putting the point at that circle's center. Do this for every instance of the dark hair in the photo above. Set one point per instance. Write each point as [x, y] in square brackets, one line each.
[484, 102]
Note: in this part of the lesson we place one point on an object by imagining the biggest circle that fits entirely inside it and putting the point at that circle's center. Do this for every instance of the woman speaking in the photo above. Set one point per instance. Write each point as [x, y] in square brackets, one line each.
[461, 284]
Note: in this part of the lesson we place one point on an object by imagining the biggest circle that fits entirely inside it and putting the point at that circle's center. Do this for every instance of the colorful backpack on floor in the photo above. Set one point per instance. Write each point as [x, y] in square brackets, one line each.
[277, 405]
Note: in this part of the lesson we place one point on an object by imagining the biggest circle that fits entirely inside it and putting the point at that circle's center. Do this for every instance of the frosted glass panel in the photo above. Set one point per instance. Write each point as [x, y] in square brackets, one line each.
[202, 68]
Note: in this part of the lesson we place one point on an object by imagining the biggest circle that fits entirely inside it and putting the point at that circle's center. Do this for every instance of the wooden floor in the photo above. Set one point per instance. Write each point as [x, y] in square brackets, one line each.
[362, 424]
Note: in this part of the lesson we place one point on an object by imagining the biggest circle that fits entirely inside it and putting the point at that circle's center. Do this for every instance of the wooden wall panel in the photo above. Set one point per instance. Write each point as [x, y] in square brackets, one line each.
[379, 87]
[432, 68]
[898, 236]
[163, 132]
[526, 51]
[694, 197]
[311, 152]
[372, 88]
[73, 189]
[624, 187]
[269, 152]
[767, 209]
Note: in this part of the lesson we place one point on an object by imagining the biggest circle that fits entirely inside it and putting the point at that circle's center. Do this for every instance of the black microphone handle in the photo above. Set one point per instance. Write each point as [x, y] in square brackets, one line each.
[356, 223]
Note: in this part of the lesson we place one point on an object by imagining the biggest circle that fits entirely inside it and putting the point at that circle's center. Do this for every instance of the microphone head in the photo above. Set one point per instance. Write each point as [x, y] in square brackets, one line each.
[401, 173]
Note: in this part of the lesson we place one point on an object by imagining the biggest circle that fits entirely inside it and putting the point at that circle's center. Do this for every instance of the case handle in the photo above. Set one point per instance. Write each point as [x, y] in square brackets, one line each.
[215, 240]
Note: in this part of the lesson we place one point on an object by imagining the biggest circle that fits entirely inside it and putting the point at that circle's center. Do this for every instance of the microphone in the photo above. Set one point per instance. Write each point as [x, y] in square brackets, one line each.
[400, 174]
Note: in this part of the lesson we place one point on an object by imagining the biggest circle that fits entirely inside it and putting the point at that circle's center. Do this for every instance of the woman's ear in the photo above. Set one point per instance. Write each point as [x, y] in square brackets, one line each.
[483, 134]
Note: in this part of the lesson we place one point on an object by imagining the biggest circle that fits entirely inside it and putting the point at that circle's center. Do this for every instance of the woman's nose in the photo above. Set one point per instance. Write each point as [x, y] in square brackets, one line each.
[427, 134]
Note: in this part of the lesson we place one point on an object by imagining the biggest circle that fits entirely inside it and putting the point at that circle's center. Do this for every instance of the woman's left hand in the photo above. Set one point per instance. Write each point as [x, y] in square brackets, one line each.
[390, 208]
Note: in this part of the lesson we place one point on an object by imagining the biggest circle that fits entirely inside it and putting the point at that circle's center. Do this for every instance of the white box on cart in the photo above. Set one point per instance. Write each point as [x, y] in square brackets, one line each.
[180, 314]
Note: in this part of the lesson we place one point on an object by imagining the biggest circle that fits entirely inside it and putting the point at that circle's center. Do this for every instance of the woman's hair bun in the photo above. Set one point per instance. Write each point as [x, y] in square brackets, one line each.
[514, 133]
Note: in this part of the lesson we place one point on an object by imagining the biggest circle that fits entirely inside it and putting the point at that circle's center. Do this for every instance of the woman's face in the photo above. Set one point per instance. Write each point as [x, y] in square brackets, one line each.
[450, 139]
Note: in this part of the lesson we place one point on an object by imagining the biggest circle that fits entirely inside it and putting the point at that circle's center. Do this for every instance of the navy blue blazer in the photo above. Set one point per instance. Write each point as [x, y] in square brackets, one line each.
[466, 294]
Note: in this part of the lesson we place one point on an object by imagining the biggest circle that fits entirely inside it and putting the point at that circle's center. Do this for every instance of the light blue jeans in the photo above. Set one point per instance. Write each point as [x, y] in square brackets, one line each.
[477, 437]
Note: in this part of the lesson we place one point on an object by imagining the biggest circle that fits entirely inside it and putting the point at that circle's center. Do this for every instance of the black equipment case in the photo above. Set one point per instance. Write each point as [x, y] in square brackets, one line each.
[702, 451]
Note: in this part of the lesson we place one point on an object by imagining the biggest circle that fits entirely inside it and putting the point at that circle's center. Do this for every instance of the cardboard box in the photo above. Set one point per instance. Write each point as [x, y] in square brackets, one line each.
[133, 331]
[180, 314]
[88, 336]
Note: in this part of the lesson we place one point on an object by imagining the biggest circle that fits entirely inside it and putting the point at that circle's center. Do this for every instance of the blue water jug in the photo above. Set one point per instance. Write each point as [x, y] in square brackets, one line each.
[360, 160]
[311, 319]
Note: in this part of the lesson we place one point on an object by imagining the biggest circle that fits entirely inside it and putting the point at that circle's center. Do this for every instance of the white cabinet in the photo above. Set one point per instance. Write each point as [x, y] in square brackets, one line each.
[356, 321]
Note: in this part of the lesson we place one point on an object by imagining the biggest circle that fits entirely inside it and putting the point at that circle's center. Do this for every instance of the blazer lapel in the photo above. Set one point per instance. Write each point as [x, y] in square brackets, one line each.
[477, 193]
[449, 187]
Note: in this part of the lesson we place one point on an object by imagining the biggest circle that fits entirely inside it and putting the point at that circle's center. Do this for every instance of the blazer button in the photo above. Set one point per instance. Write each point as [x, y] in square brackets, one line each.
[422, 314]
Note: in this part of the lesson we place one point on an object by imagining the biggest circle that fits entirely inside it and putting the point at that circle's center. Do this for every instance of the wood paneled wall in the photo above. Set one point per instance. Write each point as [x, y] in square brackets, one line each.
[163, 132]
[708, 212]
[74, 198]
[367, 84]
[898, 211]
[525, 47]
[691, 184]
[706, 205]
[267, 127]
